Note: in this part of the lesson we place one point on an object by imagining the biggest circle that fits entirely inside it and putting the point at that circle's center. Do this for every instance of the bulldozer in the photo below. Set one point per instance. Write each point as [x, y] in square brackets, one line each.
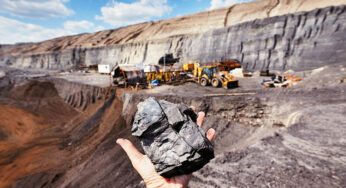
[215, 74]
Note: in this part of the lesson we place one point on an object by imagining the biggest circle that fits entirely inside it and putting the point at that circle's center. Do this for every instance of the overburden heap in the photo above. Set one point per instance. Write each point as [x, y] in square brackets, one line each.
[171, 138]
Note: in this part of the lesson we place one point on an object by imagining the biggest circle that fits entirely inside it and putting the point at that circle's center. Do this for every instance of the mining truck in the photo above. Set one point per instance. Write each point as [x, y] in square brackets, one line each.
[215, 74]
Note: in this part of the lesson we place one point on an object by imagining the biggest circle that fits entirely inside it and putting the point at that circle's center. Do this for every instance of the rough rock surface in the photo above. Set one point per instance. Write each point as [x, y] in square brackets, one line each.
[171, 138]
[189, 24]
[283, 137]
[258, 34]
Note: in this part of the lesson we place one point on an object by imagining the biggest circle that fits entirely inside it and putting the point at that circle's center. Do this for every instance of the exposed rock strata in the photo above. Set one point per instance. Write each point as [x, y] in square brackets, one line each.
[77, 95]
[189, 24]
[296, 41]
[280, 137]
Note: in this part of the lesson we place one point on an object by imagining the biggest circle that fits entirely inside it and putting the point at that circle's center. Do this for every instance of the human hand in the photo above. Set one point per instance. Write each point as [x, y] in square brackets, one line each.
[146, 168]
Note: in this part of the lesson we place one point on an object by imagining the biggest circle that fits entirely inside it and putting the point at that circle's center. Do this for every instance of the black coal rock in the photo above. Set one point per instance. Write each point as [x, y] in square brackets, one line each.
[171, 138]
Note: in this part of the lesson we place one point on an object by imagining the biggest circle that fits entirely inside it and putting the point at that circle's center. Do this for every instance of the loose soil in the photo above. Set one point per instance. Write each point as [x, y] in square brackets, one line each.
[54, 133]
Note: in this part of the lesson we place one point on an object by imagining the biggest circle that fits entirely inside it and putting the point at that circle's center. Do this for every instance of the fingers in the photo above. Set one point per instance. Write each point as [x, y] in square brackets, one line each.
[211, 134]
[200, 118]
[142, 164]
[130, 150]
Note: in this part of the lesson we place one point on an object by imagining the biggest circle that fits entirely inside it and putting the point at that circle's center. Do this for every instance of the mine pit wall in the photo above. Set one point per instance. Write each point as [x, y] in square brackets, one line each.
[237, 120]
[301, 41]
[59, 60]
[79, 96]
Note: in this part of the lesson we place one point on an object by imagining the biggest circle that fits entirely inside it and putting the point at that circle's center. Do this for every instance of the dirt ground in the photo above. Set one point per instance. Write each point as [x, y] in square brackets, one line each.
[284, 137]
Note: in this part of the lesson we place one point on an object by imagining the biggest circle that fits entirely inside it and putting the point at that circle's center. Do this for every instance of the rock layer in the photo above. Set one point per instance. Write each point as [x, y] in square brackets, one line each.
[260, 34]
[278, 137]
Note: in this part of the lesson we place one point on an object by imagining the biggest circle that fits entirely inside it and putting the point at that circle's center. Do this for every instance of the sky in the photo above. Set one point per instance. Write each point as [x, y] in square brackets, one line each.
[38, 20]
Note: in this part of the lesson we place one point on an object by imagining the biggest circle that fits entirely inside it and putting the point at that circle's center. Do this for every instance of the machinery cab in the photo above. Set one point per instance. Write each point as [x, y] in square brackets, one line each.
[216, 74]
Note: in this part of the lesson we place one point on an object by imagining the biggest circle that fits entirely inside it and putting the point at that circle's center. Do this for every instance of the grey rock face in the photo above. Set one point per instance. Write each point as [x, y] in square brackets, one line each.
[171, 138]
[300, 41]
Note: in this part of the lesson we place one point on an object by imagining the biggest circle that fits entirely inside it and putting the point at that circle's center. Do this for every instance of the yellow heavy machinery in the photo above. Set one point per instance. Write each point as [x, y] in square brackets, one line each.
[216, 74]
[153, 72]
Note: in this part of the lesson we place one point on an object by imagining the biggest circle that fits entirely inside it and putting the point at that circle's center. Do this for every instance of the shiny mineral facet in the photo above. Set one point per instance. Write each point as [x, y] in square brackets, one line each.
[171, 138]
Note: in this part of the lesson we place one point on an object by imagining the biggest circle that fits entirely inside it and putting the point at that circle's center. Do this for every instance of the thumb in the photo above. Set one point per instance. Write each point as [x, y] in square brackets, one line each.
[131, 151]
[142, 164]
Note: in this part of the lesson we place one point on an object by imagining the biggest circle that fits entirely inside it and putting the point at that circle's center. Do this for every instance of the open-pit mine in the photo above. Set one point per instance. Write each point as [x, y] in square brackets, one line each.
[59, 120]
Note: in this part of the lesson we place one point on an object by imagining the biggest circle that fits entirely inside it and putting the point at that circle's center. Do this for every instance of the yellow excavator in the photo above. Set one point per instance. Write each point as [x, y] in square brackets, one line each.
[216, 74]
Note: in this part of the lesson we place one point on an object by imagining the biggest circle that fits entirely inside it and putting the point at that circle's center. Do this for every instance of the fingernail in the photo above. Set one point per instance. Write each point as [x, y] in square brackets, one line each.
[119, 140]
[210, 131]
[201, 114]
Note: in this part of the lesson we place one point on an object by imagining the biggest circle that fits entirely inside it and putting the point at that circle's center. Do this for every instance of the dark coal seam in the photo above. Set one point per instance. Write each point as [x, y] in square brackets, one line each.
[171, 125]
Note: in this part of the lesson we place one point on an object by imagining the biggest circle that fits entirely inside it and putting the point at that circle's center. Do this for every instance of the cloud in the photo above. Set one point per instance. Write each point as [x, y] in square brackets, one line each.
[13, 31]
[35, 9]
[214, 4]
[121, 14]
[81, 26]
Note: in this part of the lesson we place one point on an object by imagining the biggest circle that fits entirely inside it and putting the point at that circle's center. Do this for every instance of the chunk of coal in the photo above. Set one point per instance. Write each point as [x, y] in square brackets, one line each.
[171, 138]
